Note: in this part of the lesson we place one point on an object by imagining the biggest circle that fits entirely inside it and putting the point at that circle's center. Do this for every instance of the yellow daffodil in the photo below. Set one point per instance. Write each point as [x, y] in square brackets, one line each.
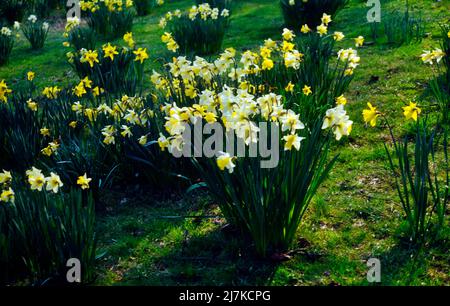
[326, 19]
[267, 64]
[83, 181]
[288, 34]
[210, 118]
[307, 90]
[411, 111]
[32, 105]
[4, 91]
[172, 45]
[305, 29]
[341, 100]
[338, 36]
[109, 139]
[141, 55]
[169, 41]
[166, 37]
[287, 46]
[86, 82]
[30, 75]
[190, 91]
[79, 90]
[322, 29]
[348, 72]
[128, 38]
[110, 51]
[370, 115]
[359, 41]
[289, 87]
[97, 91]
[45, 132]
[91, 57]
[163, 142]
[91, 114]
[51, 92]
[265, 52]
[77, 107]
[47, 151]
[73, 124]
[7, 196]
[5, 177]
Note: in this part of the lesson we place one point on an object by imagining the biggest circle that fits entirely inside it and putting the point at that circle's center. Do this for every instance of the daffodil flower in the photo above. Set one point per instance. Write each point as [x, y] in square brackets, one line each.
[53, 183]
[411, 111]
[225, 161]
[370, 115]
[83, 181]
[292, 140]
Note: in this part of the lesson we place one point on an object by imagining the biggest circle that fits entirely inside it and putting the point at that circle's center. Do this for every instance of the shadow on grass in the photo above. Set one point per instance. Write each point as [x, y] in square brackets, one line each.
[149, 245]
[406, 264]
[216, 258]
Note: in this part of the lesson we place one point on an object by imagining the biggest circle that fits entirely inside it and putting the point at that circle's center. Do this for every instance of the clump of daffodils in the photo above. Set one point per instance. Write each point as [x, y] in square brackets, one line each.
[127, 117]
[244, 97]
[109, 52]
[239, 109]
[86, 85]
[111, 18]
[203, 11]
[6, 44]
[199, 30]
[112, 5]
[35, 31]
[349, 55]
[120, 63]
[439, 61]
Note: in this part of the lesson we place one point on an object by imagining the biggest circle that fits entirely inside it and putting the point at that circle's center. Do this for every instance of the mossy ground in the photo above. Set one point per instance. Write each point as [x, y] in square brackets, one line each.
[356, 215]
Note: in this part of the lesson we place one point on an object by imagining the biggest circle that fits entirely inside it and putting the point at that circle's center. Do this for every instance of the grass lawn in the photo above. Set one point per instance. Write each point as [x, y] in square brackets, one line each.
[181, 239]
